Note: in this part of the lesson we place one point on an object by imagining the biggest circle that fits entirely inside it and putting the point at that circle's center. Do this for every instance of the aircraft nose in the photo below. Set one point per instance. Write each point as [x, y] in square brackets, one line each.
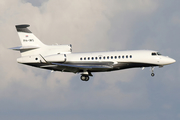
[171, 60]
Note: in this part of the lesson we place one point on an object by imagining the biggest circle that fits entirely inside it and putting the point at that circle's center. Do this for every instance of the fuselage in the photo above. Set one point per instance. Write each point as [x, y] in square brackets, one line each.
[117, 60]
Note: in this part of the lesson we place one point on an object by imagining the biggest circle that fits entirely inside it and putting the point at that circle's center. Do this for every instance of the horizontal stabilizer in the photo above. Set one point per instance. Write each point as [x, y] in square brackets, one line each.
[83, 67]
[24, 48]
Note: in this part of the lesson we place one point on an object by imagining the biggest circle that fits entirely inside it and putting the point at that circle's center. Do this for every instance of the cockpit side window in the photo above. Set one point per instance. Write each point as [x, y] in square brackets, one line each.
[153, 53]
[158, 53]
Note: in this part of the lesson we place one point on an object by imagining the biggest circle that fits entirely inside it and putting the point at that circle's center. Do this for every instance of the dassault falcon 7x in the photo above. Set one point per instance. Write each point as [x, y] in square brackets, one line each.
[61, 58]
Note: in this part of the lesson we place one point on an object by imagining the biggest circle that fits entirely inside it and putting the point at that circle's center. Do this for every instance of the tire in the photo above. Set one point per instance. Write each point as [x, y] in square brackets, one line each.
[152, 74]
[84, 77]
[87, 78]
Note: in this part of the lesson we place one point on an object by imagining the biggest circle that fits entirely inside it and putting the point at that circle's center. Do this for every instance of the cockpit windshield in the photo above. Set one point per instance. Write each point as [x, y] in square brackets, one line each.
[155, 53]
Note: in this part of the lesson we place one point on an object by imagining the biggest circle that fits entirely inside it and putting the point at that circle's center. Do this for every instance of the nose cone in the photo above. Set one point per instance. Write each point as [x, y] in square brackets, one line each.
[170, 61]
[173, 61]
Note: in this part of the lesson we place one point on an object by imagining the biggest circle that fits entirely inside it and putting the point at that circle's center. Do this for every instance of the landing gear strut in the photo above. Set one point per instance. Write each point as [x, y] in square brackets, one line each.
[84, 77]
[152, 69]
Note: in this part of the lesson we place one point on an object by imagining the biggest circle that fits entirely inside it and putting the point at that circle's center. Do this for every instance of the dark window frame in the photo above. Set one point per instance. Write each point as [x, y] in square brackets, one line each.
[153, 54]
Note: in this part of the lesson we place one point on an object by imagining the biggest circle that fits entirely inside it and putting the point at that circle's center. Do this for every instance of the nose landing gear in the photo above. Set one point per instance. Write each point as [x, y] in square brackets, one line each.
[152, 74]
[152, 70]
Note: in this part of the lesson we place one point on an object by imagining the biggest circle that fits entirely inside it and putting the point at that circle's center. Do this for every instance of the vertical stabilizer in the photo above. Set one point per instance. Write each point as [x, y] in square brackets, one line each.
[31, 45]
[27, 38]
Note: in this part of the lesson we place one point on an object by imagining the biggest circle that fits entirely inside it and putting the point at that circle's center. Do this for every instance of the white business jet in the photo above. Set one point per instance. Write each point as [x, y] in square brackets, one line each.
[61, 58]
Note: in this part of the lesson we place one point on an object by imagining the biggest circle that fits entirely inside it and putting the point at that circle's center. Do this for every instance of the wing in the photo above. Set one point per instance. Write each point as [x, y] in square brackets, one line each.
[74, 67]
[83, 66]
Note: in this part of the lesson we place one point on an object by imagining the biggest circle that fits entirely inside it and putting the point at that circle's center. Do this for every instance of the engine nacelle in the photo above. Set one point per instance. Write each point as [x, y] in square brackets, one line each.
[56, 58]
[29, 59]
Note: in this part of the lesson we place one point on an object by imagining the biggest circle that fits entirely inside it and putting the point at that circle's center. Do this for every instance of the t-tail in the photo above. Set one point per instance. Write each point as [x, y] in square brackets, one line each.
[27, 37]
[31, 45]
[28, 40]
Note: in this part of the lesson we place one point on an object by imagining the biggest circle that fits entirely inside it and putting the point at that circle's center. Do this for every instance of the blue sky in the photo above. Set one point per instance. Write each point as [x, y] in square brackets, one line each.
[91, 25]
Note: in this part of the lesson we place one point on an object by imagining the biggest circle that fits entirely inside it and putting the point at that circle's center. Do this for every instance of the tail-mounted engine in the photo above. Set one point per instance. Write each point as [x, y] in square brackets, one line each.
[56, 58]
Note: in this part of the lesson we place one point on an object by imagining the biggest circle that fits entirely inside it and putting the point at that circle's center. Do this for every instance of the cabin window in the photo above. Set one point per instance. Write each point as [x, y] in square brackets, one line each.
[104, 57]
[96, 58]
[111, 57]
[84, 58]
[80, 58]
[123, 56]
[92, 58]
[107, 57]
[100, 58]
[115, 57]
[119, 57]
[88, 58]
[130, 56]
[126, 56]
[36, 58]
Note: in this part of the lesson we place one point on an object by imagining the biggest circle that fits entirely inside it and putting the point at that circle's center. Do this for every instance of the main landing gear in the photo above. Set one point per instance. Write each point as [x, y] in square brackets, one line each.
[84, 77]
[152, 70]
